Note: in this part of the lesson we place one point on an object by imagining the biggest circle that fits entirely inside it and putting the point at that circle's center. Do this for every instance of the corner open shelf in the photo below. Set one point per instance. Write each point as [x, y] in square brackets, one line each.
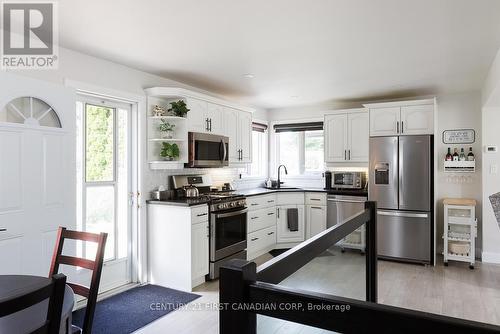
[155, 140]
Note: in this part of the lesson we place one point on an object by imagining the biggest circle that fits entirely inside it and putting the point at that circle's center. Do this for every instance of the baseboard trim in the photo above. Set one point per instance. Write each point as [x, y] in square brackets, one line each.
[489, 257]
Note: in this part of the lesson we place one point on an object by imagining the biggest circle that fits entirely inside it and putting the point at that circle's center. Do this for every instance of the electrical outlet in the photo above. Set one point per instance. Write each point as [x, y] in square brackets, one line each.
[493, 169]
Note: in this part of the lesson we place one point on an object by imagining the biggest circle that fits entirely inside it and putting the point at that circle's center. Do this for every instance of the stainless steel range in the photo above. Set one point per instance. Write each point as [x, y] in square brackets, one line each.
[228, 220]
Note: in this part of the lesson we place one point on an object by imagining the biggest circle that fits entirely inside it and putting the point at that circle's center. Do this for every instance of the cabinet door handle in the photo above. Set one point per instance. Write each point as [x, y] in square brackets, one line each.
[278, 212]
[270, 201]
[270, 213]
[315, 207]
[253, 204]
[270, 233]
[202, 214]
[208, 231]
[315, 199]
[345, 154]
[3, 229]
[254, 239]
[254, 218]
[397, 125]
[402, 126]
[349, 154]
[210, 123]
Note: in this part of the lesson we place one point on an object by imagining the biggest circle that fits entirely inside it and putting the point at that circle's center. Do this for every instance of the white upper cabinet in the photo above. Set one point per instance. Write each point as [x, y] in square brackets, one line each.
[402, 118]
[197, 121]
[215, 116]
[358, 134]
[417, 120]
[335, 138]
[245, 135]
[346, 136]
[384, 121]
[238, 127]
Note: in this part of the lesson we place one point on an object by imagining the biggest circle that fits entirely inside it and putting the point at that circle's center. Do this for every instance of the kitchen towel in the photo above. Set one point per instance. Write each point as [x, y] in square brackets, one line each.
[293, 219]
[495, 203]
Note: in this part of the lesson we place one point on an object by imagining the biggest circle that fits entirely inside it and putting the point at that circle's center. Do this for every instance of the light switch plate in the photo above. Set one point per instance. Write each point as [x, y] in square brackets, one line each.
[493, 169]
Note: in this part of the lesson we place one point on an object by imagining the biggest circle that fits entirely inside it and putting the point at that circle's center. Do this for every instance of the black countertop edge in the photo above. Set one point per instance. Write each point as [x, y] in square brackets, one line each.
[179, 202]
[263, 191]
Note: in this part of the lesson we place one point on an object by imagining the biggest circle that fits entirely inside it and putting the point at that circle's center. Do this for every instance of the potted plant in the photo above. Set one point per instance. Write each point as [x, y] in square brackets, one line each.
[179, 108]
[169, 151]
[166, 129]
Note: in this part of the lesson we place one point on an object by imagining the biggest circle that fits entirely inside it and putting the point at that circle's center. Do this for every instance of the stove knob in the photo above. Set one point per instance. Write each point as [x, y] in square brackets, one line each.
[233, 204]
[220, 206]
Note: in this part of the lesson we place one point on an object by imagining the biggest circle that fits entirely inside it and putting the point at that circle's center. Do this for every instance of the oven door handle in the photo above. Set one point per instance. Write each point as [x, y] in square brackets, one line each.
[230, 214]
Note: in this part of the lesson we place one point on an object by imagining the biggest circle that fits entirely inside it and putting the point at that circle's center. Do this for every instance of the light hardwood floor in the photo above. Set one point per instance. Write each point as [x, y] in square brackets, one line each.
[455, 291]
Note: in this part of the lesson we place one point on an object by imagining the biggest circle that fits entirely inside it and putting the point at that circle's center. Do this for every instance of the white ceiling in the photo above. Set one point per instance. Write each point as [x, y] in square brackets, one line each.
[300, 52]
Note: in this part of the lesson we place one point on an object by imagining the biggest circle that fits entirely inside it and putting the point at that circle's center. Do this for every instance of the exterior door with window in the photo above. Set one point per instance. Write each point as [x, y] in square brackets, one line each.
[104, 199]
[37, 173]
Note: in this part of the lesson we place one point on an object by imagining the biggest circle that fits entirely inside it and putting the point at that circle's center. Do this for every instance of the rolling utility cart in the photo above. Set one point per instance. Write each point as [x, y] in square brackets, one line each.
[460, 230]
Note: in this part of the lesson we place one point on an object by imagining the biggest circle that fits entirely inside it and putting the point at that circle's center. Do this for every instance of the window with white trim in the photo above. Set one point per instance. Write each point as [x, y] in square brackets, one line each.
[259, 165]
[300, 148]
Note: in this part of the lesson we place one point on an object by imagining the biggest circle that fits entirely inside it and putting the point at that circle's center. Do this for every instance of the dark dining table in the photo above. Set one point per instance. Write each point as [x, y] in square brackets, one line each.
[26, 320]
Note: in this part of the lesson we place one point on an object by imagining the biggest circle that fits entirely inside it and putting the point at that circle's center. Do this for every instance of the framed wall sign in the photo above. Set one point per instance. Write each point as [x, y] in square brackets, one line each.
[463, 136]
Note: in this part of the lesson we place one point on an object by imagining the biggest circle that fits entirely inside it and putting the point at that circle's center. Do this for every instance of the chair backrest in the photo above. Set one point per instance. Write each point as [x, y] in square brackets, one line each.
[54, 291]
[95, 266]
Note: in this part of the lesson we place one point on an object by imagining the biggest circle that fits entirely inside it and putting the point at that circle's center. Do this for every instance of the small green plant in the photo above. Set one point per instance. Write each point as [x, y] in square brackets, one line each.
[166, 129]
[169, 151]
[179, 108]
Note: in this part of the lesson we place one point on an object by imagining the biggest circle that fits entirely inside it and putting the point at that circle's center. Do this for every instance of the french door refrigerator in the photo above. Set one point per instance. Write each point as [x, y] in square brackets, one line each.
[401, 177]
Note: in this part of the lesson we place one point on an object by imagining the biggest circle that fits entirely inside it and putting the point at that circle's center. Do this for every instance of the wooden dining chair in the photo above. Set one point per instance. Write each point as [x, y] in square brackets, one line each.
[95, 266]
[54, 291]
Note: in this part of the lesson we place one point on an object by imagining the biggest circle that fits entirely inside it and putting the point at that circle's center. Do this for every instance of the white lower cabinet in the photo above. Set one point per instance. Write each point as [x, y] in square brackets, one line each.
[261, 225]
[178, 245]
[199, 249]
[284, 233]
[315, 219]
[261, 241]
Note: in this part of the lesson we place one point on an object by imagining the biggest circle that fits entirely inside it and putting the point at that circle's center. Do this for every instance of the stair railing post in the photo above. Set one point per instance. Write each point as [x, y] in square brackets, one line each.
[371, 252]
[235, 277]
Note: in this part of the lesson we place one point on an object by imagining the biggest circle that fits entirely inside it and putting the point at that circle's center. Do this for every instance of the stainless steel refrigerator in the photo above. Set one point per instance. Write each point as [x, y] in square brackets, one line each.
[400, 180]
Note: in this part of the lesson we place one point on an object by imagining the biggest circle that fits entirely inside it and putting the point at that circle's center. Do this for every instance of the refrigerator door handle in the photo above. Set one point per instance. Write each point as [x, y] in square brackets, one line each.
[401, 173]
[403, 214]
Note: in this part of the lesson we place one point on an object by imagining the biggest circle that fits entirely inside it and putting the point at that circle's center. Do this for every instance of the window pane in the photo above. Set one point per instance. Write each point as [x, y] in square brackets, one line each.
[123, 182]
[313, 156]
[100, 212]
[99, 143]
[289, 151]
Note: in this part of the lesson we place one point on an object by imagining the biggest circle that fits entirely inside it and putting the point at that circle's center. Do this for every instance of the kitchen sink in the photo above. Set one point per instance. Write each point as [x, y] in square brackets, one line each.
[284, 188]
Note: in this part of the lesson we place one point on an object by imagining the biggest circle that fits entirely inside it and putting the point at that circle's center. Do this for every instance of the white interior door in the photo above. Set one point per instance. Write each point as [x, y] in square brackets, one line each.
[37, 172]
[104, 183]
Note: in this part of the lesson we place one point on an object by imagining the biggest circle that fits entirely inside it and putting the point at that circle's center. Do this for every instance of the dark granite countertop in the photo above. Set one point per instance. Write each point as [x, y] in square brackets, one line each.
[263, 191]
[180, 202]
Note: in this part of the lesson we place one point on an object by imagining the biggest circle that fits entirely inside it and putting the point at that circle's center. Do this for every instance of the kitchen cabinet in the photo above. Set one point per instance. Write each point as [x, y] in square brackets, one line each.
[315, 213]
[199, 242]
[261, 225]
[284, 235]
[178, 245]
[205, 117]
[238, 127]
[401, 118]
[346, 136]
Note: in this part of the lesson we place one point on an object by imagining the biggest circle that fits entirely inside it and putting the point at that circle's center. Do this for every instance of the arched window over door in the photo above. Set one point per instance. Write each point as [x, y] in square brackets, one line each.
[30, 110]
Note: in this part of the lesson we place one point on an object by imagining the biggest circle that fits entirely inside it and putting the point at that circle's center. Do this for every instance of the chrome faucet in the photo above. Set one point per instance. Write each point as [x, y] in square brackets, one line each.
[286, 172]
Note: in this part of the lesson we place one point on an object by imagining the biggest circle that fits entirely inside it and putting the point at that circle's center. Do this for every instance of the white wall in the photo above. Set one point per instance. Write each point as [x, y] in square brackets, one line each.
[458, 111]
[491, 181]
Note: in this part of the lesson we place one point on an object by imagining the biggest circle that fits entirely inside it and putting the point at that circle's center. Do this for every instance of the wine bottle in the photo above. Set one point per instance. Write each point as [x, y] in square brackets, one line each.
[455, 155]
[449, 157]
[462, 155]
[470, 156]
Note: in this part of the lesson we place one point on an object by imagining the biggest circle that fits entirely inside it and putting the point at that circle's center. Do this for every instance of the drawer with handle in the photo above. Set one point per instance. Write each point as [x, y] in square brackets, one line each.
[262, 239]
[260, 202]
[315, 198]
[199, 214]
[259, 219]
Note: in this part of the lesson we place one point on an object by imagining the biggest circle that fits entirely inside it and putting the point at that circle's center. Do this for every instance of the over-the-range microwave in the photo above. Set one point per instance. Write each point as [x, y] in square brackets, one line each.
[207, 150]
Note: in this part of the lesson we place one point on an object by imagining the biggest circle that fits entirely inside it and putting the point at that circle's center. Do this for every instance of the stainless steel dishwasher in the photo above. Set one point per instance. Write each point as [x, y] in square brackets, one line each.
[339, 210]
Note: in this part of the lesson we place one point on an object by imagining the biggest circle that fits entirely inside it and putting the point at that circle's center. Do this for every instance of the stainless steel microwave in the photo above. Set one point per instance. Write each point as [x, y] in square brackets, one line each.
[207, 150]
[349, 180]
